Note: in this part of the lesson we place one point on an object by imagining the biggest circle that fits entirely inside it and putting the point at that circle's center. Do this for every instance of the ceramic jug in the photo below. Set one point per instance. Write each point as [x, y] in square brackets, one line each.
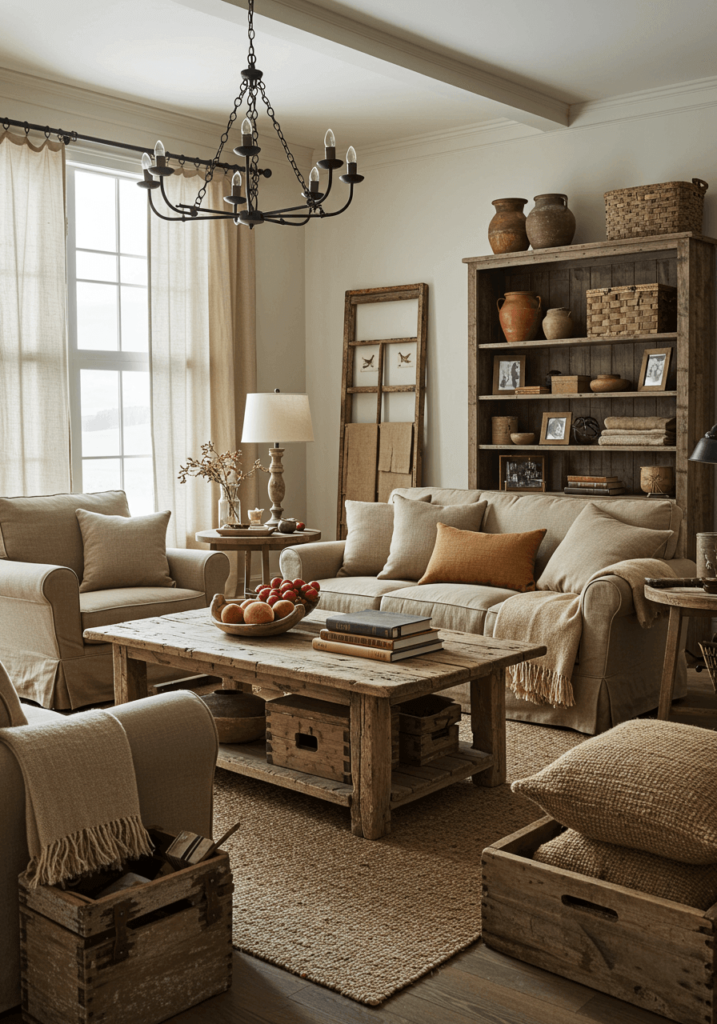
[520, 314]
[506, 232]
[557, 324]
[550, 223]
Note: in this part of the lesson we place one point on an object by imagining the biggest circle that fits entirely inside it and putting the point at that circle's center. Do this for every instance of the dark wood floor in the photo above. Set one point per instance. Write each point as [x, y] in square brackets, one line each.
[478, 986]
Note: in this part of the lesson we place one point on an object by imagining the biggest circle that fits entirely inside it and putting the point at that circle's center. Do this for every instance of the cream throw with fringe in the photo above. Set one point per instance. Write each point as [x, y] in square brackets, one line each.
[555, 620]
[81, 801]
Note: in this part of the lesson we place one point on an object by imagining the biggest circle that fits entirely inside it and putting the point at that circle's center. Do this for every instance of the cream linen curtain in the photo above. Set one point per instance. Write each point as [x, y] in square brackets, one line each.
[203, 317]
[34, 409]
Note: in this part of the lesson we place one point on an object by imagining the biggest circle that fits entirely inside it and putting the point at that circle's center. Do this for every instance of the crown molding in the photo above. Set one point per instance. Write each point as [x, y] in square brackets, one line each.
[701, 92]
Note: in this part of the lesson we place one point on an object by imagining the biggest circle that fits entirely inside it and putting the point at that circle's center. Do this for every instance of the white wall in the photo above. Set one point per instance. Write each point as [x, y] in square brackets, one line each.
[426, 205]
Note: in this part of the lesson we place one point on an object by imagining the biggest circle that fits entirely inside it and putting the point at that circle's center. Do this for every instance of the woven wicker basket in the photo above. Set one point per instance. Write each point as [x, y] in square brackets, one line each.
[503, 427]
[655, 209]
[631, 309]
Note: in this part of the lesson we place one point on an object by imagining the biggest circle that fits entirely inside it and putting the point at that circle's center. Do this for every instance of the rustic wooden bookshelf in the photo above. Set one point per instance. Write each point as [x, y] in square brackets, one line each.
[561, 277]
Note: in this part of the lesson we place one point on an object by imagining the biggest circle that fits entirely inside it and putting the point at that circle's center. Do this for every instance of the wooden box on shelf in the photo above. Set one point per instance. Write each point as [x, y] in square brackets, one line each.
[650, 952]
[428, 729]
[571, 384]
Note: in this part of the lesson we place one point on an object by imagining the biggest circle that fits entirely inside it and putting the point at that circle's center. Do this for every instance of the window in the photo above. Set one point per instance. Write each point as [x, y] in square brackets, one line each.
[109, 335]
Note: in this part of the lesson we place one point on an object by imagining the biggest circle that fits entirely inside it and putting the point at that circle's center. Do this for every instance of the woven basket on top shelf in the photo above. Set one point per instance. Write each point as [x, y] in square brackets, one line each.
[631, 309]
[655, 209]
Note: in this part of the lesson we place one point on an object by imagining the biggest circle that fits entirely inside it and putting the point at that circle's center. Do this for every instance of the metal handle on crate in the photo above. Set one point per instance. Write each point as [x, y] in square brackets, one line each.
[586, 907]
[211, 891]
[120, 919]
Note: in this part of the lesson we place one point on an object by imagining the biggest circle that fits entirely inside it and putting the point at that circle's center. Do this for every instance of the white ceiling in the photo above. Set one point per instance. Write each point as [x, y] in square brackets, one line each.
[187, 55]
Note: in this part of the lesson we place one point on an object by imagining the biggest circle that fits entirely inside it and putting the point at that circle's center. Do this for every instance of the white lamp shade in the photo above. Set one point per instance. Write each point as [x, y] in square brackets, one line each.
[277, 417]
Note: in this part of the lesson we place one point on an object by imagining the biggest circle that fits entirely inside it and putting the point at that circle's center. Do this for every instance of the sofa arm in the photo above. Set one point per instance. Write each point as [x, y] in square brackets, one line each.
[174, 750]
[611, 596]
[319, 561]
[199, 570]
[39, 610]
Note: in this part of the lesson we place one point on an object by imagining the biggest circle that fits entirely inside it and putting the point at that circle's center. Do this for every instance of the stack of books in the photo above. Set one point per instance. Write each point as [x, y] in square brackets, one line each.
[594, 485]
[381, 636]
[532, 389]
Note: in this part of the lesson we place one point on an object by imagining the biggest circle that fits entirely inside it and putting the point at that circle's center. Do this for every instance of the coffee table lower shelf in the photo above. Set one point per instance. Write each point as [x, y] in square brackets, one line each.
[408, 782]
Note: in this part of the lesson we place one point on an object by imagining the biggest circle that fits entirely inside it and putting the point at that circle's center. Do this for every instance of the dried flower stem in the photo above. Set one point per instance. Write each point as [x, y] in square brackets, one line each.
[224, 469]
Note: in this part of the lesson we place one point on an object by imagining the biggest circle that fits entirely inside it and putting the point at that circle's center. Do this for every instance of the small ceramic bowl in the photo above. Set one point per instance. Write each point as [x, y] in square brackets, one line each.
[606, 382]
[523, 438]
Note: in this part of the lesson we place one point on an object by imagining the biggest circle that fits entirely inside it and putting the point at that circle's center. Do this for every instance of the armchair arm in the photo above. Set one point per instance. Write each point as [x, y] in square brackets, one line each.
[39, 611]
[319, 561]
[199, 570]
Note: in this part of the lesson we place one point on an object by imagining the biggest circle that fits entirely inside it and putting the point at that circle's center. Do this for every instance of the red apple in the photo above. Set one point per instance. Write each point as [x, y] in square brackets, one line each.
[263, 590]
[306, 586]
[288, 595]
[300, 526]
[276, 582]
[272, 599]
[315, 585]
[298, 584]
[274, 590]
[312, 595]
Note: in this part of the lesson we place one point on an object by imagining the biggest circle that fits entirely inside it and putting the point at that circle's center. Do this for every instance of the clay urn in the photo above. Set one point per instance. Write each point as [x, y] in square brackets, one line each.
[550, 223]
[557, 324]
[520, 315]
[506, 232]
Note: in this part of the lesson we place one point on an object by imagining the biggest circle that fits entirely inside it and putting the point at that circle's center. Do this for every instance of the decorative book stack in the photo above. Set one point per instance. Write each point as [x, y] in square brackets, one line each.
[381, 636]
[594, 485]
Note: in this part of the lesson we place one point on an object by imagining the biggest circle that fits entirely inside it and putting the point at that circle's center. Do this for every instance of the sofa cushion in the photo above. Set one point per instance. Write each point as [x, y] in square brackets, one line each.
[356, 593]
[123, 551]
[439, 495]
[45, 528]
[105, 607]
[493, 560]
[596, 540]
[647, 785]
[368, 541]
[414, 534]
[460, 606]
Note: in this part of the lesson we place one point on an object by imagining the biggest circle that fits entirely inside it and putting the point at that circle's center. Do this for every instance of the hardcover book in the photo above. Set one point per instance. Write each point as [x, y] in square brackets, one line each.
[425, 636]
[374, 653]
[371, 622]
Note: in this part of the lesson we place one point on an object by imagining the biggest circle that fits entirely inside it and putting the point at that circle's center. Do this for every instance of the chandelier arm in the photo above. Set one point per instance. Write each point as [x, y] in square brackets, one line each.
[170, 205]
[282, 140]
[293, 210]
[287, 223]
[162, 216]
[320, 202]
[209, 173]
[337, 212]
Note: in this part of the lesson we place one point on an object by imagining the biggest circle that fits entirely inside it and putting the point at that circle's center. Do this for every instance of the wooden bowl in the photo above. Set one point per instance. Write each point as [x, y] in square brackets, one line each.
[238, 716]
[523, 438]
[606, 382]
[263, 629]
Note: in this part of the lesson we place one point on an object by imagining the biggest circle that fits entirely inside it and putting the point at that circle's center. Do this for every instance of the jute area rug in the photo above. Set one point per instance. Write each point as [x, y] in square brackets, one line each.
[367, 918]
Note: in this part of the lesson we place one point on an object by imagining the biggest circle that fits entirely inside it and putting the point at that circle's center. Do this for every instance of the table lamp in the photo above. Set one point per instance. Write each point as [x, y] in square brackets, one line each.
[271, 415]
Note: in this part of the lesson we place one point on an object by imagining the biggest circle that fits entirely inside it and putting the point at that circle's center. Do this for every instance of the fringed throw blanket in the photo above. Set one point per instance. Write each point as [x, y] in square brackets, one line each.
[555, 620]
[82, 806]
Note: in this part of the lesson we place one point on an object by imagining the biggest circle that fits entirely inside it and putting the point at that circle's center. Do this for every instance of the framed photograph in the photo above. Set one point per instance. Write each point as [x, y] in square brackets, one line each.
[522, 473]
[508, 374]
[654, 369]
[556, 428]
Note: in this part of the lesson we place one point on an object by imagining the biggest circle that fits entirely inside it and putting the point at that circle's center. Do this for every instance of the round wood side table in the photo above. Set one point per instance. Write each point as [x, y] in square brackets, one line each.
[683, 602]
[265, 544]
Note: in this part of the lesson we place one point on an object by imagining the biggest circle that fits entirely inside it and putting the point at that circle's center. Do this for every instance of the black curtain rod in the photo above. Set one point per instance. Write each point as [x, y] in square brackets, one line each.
[68, 137]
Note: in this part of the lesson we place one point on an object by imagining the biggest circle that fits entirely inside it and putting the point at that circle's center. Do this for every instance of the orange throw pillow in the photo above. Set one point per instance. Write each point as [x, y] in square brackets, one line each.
[488, 559]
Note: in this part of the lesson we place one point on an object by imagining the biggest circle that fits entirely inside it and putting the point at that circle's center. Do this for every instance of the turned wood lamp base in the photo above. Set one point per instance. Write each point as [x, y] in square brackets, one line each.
[277, 487]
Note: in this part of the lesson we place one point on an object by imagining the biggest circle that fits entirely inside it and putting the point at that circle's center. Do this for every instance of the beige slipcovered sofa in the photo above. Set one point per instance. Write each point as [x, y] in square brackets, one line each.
[618, 672]
[43, 614]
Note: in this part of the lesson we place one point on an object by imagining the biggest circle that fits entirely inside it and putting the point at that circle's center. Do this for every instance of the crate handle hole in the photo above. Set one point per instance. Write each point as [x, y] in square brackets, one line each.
[306, 742]
[589, 908]
[161, 912]
[440, 734]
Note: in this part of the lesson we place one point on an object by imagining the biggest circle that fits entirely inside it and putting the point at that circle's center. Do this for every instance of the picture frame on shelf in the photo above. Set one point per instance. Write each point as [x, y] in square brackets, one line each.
[655, 369]
[508, 374]
[556, 428]
[522, 473]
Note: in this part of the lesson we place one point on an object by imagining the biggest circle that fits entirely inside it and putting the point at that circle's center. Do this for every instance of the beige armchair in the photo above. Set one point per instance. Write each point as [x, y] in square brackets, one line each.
[43, 614]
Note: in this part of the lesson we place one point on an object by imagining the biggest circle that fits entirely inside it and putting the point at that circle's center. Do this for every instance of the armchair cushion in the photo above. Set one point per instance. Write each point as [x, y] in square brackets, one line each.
[123, 551]
[122, 604]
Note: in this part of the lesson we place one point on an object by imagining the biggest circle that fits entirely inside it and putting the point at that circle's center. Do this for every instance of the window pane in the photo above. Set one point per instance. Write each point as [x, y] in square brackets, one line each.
[99, 395]
[97, 316]
[135, 320]
[101, 475]
[133, 270]
[133, 218]
[136, 413]
[139, 486]
[96, 266]
[95, 212]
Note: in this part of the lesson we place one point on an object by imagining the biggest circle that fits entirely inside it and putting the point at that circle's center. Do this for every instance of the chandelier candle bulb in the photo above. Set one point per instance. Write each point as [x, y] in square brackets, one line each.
[160, 168]
[146, 161]
[330, 145]
[148, 181]
[314, 180]
[351, 161]
[247, 133]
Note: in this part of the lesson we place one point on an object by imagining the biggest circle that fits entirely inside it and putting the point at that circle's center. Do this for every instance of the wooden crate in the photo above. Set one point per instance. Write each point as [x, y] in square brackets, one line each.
[655, 209]
[428, 729]
[570, 384]
[314, 736]
[631, 309]
[138, 956]
[647, 951]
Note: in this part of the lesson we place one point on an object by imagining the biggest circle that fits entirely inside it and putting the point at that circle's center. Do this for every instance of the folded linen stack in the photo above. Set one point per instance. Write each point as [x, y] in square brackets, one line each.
[638, 431]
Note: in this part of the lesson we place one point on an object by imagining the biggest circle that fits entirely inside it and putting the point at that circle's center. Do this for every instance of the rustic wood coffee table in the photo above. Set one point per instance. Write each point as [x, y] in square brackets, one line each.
[287, 663]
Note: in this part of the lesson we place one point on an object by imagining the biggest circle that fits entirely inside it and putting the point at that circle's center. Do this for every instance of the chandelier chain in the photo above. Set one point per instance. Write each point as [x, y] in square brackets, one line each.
[209, 173]
[282, 140]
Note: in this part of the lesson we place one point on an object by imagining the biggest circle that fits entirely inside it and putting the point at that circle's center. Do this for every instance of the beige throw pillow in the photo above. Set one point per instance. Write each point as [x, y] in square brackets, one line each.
[648, 785]
[123, 551]
[415, 528]
[595, 540]
[694, 885]
[368, 541]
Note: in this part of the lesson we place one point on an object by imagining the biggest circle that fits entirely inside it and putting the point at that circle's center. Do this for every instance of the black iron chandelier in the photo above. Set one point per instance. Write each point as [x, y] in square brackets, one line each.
[252, 88]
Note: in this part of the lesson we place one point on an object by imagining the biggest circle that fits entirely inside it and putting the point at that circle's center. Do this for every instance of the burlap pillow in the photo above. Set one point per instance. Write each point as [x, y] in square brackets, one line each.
[368, 541]
[120, 551]
[694, 885]
[415, 527]
[648, 785]
[595, 540]
[489, 559]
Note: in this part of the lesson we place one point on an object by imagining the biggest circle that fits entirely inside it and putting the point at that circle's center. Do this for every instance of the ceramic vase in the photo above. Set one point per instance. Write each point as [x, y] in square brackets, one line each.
[557, 324]
[230, 506]
[661, 480]
[707, 555]
[550, 223]
[506, 231]
[520, 314]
